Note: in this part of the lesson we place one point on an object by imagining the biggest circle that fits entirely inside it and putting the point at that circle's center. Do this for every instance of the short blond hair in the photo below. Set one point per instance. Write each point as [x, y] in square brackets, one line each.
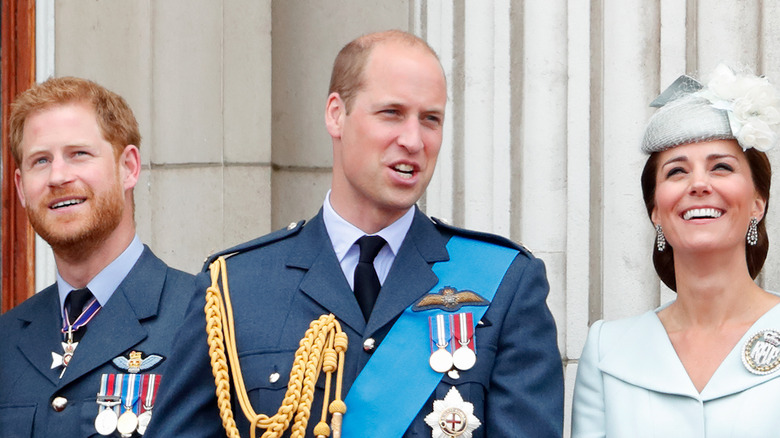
[347, 79]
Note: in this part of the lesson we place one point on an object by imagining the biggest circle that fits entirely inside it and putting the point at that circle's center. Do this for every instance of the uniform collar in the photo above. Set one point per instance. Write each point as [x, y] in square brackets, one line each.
[106, 281]
[343, 234]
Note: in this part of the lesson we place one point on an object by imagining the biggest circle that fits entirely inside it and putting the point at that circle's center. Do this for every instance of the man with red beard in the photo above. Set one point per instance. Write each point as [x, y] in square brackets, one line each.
[85, 355]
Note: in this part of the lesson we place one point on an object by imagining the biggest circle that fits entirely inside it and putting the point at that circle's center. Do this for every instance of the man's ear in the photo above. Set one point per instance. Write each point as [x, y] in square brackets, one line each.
[129, 166]
[335, 111]
[19, 187]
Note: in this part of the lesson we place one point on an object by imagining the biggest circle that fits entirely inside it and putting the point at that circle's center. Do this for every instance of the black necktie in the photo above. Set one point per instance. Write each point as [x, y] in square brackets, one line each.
[75, 302]
[366, 281]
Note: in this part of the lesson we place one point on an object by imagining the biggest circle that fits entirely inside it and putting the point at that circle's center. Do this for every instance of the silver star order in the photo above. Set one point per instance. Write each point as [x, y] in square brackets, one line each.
[58, 360]
[63, 360]
[453, 401]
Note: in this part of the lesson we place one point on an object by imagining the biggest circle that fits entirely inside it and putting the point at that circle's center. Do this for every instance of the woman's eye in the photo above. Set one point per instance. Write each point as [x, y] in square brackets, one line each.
[674, 171]
[723, 166]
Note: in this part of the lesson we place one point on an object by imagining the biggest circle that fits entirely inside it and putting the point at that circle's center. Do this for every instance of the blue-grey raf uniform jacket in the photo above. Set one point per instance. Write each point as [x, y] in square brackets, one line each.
[142, 315]
[281, 282]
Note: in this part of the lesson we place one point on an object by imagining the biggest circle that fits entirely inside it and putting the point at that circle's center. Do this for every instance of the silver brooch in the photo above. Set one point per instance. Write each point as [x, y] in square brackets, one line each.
[761, 354]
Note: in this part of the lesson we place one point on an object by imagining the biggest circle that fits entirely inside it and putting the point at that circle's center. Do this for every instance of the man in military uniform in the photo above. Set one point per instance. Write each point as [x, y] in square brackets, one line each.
[448, 330]
[85, 355]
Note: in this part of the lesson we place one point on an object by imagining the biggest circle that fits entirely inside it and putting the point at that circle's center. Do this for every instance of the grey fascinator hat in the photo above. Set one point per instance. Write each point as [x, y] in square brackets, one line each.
[742, 107]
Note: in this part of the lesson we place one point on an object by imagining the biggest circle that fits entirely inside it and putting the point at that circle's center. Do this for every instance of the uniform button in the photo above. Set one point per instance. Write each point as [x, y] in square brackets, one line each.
[59, 403]
[273, 378]
[292, 225]
[369, 345]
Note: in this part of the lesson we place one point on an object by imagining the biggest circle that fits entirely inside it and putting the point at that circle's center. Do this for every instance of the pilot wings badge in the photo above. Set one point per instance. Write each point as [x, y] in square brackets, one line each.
[449, 299]
[135, 362]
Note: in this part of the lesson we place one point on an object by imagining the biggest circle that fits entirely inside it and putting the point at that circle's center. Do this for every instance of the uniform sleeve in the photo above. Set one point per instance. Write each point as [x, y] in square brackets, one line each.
[588, 419]
[186, 404]
[525, 398]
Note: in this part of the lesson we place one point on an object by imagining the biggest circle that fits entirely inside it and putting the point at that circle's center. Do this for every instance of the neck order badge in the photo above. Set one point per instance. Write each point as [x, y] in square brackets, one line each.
[71, 325]
[404, 366]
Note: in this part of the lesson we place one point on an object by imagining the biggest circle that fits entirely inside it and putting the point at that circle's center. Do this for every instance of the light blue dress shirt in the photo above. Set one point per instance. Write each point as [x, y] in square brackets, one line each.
[343, 236]
[106, 281]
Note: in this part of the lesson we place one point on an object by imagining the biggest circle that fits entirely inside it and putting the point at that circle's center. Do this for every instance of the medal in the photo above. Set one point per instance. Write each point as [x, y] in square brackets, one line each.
[453, 422]
[149, 385]
[63, 360]
[105, 422]
[127, 424]
[761, 353]
[143, 421]
[452, 417]
[464, 358]
[463, 330]
[441, 359]
[128, 421]
[69, 347]
[108, 400]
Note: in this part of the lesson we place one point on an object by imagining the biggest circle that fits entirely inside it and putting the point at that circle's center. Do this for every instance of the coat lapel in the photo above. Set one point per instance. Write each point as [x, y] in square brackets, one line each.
[642, 355]
[43, 334]
[732, 376]
[324, 281]
[410, 276]
[117, 327]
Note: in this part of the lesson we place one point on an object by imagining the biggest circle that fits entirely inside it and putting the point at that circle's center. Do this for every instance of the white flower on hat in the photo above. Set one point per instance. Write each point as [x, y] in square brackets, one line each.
[752, 105]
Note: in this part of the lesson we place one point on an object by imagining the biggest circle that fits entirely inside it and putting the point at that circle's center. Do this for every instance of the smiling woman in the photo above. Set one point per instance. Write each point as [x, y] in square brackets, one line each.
[758, 168]
[706, 363]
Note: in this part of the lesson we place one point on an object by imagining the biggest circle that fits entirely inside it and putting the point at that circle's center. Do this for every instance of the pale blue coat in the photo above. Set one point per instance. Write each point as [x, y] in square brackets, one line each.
[630, 383]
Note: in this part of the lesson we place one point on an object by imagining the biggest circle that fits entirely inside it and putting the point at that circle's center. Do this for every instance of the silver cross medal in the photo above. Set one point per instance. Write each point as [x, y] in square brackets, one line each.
[68, 348]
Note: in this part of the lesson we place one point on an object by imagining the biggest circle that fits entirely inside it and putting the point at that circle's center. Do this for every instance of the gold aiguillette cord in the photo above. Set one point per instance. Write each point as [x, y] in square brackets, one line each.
[321, 349]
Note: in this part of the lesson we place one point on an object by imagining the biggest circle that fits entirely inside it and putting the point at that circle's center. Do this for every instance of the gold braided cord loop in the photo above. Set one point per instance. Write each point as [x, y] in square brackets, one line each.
[321, 349]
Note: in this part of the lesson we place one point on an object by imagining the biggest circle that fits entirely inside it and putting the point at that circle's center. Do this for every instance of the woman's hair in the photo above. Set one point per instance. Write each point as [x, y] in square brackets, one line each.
[755, 255]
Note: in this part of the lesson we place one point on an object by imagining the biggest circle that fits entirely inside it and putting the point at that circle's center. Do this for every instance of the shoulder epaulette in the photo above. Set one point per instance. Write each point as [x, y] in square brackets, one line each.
[275, 236]
[480, 235]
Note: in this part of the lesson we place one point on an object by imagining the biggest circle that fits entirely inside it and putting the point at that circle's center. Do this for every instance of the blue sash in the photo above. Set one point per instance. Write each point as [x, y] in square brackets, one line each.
[397, 380]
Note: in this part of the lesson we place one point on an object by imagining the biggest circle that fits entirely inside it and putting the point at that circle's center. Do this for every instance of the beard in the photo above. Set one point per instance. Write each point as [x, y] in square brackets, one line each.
[82, 233]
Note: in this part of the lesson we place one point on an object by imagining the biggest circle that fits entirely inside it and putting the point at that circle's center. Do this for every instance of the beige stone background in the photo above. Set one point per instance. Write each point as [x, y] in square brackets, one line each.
[547, 103]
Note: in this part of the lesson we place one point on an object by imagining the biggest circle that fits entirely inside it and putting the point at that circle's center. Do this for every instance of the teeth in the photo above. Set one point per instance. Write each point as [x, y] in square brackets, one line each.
[404, 170]
[67, 203]
[702, 213]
